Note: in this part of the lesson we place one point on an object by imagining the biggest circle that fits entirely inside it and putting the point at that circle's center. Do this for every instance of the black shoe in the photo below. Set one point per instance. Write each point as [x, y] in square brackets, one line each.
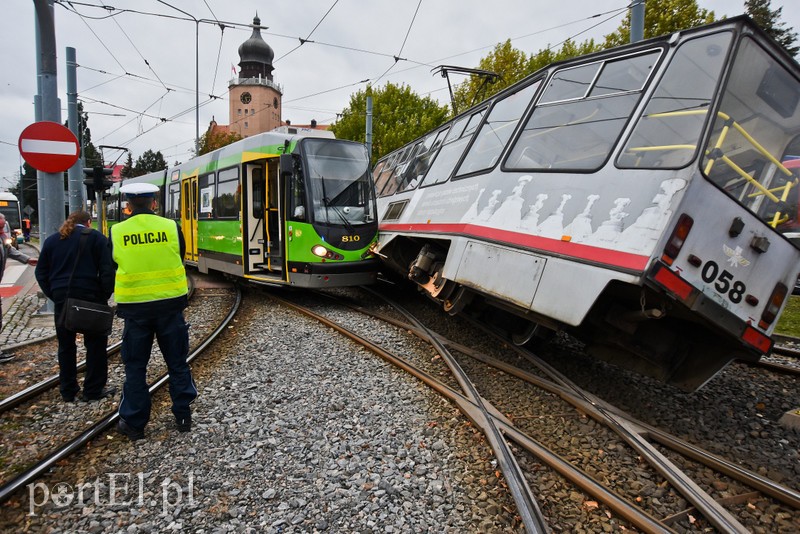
[127, 430]
[184, 424]
[5, 357]
[107, 392]
[68, 398]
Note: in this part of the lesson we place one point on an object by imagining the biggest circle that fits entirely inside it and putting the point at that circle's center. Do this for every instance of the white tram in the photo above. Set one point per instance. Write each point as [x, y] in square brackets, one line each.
[634, 197]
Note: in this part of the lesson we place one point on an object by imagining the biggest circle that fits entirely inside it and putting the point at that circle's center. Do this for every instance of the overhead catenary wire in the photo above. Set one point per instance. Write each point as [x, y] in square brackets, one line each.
[306, 40]
[113, 11]
[121, 29]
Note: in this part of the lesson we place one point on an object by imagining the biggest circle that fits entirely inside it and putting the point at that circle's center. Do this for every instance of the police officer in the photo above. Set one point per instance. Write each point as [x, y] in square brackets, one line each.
[151, 293]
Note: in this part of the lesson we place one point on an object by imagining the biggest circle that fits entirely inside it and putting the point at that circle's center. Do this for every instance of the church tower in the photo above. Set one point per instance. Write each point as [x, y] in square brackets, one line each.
[255, 98]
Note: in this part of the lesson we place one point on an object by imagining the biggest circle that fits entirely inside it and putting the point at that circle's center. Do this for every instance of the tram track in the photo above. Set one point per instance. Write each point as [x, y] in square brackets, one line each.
[646, 440]
[22, 461]
[533, 520]
[31, 392]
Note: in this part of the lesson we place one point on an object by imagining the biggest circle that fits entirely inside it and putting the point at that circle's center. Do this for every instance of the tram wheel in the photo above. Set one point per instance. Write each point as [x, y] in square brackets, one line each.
[533, 334]
[460, 298]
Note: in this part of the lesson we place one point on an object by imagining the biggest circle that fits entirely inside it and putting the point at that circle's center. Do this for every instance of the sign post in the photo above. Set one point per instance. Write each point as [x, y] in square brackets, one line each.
[49, 147]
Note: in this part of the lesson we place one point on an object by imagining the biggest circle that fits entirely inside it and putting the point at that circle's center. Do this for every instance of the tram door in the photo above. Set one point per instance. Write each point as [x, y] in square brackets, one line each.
[262, 225]
[189, 216]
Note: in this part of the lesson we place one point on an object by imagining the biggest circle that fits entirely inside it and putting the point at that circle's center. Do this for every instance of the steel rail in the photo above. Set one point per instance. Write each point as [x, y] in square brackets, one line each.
[12, 401]
[42, 467]
[699, 498]
[532, 516]
[595, 407]
[563, 389]
[621, 507]
[786, 351]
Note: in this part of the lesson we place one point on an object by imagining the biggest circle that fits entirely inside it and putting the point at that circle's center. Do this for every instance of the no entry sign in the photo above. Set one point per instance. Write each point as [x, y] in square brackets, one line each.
[49, 146]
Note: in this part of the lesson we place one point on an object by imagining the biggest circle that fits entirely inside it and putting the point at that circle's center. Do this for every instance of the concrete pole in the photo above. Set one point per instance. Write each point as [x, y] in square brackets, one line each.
[637, 21]
[369, 127]
[50, 185]
[75, 172]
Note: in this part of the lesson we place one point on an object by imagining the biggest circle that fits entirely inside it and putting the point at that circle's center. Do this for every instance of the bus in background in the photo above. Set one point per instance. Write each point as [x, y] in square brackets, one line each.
[9, 206]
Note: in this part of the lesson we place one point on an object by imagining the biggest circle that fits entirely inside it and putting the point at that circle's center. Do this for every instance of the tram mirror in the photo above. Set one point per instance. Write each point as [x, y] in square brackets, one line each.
[287, 165]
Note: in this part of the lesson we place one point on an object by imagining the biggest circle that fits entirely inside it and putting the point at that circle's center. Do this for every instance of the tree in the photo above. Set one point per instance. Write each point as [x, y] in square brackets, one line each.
[769, 21]
[400, 115]
[662, 17]
[91, 155]
[212, 140]
[149, 162]
[127, 170]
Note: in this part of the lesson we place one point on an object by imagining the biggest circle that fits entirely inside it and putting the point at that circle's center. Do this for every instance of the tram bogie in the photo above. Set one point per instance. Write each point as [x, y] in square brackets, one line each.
[635, 198]
[275, 208]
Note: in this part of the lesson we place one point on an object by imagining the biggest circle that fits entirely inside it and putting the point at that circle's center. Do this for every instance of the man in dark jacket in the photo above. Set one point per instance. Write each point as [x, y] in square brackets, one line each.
[62, 272]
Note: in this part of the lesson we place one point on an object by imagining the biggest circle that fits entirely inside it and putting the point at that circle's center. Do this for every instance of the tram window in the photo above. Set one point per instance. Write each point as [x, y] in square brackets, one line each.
[205, 183]
[386, 173]
[667, 134]
[580, 134]
[570, 83]
[451, 151]
[749, 151]
[172, 209]
[418, 166]
[226, 203]
[111, 207]
[406, 159]
[497, 130]
[624, 75]
[376, 172]
[257, 188]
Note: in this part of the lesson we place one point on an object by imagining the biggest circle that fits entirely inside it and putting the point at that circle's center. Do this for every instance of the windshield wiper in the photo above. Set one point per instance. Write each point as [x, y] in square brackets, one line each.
[335, 209]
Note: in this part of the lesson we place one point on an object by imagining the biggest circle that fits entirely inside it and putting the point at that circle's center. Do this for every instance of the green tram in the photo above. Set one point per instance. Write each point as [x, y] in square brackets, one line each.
[275, 208]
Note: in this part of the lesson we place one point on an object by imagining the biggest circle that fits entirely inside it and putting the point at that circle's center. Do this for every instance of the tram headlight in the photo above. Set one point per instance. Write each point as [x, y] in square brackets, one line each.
[319, 250]
[323, 252]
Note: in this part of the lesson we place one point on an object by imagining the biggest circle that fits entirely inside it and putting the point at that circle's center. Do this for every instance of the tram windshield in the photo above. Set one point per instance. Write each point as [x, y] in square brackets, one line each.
[339, 182]
[752, 152]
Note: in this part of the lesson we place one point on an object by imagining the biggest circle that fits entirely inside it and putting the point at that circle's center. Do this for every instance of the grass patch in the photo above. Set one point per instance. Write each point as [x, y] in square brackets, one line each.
[789, 323]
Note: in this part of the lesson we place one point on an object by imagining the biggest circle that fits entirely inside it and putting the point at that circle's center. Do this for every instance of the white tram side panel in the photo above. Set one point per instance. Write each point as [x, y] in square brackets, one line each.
[594, 229]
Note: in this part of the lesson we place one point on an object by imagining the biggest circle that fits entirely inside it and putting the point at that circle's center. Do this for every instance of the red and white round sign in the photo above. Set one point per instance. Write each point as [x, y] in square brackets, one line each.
[49, 146]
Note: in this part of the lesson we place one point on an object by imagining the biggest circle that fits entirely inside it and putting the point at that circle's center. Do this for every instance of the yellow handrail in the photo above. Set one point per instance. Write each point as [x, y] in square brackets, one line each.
[761, 190]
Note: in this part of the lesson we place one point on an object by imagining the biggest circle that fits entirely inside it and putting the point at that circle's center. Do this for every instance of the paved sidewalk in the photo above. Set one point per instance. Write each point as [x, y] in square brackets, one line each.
[22, 320]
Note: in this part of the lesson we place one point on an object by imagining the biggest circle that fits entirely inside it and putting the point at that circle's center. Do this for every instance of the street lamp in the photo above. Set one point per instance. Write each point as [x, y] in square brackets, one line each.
[196, 75]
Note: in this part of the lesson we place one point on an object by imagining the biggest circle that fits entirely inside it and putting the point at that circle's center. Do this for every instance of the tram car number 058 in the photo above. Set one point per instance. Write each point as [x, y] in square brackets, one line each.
[725, 283]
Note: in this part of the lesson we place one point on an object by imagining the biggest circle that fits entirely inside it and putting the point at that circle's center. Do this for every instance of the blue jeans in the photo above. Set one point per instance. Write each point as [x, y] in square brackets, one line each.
[172, 334]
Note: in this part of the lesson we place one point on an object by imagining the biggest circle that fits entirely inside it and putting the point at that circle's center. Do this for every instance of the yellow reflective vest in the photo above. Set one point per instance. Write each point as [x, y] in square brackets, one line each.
[146, 249]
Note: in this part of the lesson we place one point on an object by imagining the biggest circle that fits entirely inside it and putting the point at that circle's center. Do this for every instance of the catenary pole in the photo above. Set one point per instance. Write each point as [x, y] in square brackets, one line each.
[369, 128]
[637, 21]
[75, 173]
[50, 185]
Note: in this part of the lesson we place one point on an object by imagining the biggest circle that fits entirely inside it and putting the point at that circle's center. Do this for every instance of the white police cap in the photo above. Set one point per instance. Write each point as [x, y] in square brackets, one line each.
[139, 190]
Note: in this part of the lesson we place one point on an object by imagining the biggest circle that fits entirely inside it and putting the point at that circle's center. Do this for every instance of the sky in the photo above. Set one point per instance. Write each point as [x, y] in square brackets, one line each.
[138, 68]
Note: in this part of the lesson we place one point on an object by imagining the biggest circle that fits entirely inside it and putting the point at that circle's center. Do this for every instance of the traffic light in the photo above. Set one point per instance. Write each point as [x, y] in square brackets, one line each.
[97, 180]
